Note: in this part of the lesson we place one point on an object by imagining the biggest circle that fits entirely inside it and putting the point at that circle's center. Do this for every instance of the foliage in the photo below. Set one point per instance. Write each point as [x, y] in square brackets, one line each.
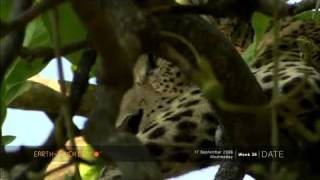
[90, 172]
[38, 34]
[260, 24]
[308, 15]
[7, 139]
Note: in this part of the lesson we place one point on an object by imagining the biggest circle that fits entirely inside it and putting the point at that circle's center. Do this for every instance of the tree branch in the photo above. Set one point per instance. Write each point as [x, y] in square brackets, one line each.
[222, 8]
[48, 53]
[9, 47]
[302, 6]
[80, 80]
[26, 155]
[117, 19]
[24, 18]
[36, 97]
[240, 129]
[230, 70]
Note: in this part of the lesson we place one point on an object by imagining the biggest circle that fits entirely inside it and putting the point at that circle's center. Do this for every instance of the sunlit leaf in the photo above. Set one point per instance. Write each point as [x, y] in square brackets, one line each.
[22, 69]
[37, 35]
[308, 15]
[89, 172]
[249, 53]
[260, 24]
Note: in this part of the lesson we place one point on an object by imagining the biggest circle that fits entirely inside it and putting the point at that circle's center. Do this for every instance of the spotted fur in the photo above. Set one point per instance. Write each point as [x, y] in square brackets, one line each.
[297, 76]
[176, 118]
[170, 116]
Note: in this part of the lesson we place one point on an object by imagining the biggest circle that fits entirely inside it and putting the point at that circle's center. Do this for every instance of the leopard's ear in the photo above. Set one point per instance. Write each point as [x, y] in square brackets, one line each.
[142, 67]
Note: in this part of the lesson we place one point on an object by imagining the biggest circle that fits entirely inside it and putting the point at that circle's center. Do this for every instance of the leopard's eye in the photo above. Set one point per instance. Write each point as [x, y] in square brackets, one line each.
[133, 122]
[152, 60]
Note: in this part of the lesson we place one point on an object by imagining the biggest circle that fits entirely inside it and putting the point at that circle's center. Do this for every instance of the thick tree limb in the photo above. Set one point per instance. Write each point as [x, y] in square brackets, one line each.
[41, 90]
[240, 129]
[27, 16]
[119, 50]
[231, 71]
[223, 8]
[94, 18]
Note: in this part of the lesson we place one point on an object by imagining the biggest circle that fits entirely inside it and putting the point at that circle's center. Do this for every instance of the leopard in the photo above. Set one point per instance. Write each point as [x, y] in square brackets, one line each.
[298, 74]
[171, 117]
[162, 97]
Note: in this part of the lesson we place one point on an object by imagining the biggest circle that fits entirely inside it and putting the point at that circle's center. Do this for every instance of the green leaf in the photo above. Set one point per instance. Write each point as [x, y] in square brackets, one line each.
[5, 8]
[260, 24]
[308, 15]
[7, 139]
[36, 36]
[22, 69]
[249, 53]
[16, 90]
[3, 108]
[89, 172]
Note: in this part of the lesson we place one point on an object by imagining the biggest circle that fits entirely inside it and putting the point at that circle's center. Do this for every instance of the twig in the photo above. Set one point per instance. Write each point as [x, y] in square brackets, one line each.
[65, 109]
[302, 6]
[317, 10]
[226, 8]
[57, 50]
[185, 9]
[81, 76]
[48, 53]
[27, 16]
